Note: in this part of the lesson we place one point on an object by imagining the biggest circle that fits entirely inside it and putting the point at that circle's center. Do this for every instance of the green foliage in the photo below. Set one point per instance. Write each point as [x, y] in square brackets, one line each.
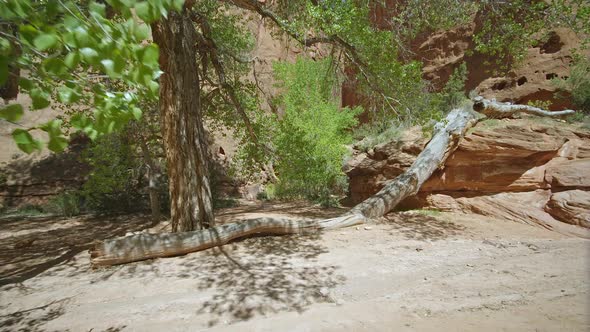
[574, 14]
[73, 52]
[370, 135]
[509, 28]
[418, 16]
[113, 183]
[311, 135]
[268, 194]
[27, 210]
[542, 104]
[453, 94]
[429, 212]
[578, 84]
[66, 204]
[12, 112]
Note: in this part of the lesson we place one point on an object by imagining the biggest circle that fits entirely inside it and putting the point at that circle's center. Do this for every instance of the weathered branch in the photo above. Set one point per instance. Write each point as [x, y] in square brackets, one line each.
[207, 40]
[145, 246]
[254, 5]
[498, 110]
[351, 50]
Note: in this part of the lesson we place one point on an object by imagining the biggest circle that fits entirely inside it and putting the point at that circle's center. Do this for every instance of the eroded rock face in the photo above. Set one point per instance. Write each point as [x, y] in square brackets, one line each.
[442, 52]
[519, 169]
[572, 207]
[368, 171]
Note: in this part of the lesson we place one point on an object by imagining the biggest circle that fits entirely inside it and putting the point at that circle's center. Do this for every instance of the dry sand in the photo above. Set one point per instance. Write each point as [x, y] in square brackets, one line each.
[413, 271]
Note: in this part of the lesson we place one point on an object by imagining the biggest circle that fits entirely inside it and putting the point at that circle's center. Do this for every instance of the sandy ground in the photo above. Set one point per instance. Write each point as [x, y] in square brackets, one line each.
[413, 271]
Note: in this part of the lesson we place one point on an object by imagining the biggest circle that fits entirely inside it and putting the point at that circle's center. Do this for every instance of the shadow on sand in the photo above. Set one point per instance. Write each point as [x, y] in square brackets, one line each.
[256, 276]
[422, 227]
[35, 245]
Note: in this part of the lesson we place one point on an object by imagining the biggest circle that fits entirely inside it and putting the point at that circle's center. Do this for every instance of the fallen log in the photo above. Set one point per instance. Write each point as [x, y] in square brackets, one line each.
[445, 139]
[145, 246]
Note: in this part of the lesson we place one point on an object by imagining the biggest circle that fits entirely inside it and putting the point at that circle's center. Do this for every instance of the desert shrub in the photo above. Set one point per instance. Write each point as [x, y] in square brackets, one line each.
[311, 135]
[66, 204]
[268, 194]
[542, 104]
[578, 83]
[453, 94]
[427, 109]
[28, 210]
[113, 183]
[369, 135]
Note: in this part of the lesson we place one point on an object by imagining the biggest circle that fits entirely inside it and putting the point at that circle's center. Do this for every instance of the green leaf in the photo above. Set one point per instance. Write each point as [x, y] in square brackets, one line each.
[28, 32]
[56, 140]
[45, 41]
[142, 32]
[89, 54]
[57, 143]
[79, 121]
[81, 36]
[25, 83]
[67, 95]
[25, 141]
[153, 86]
[52, 9]
[143, 11]
[40, 98]
[136, 113]
[97, 8]
[71, 22]
[72, 59]
[12, 112]
[177, 4]
[150, 55]
[55, 66]
[109, 67]
[5, 47]
[91, 132]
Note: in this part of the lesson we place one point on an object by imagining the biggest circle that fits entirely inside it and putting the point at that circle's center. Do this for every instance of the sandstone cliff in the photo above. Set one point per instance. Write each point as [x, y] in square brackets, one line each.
[530, 170]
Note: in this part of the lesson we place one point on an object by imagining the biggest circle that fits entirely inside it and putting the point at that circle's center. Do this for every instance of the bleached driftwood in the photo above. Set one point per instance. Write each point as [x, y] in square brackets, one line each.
[498, 110]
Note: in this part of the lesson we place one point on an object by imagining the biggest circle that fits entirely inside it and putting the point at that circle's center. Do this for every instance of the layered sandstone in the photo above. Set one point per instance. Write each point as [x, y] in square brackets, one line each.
[529, 170]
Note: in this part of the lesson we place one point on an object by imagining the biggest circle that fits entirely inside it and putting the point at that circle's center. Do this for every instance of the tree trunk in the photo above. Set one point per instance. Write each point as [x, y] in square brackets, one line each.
[182, 125]
[445, 140]
[9, 89]
[152, 175]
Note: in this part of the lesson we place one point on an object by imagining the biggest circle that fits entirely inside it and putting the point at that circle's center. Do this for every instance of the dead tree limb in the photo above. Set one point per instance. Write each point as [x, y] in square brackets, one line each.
[498, 110]
[445, 140]
[145, 246]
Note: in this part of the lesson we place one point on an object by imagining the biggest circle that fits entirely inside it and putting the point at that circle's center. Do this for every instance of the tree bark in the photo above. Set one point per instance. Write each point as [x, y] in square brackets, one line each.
[182, 124]
[445, 139]
[9, 90]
